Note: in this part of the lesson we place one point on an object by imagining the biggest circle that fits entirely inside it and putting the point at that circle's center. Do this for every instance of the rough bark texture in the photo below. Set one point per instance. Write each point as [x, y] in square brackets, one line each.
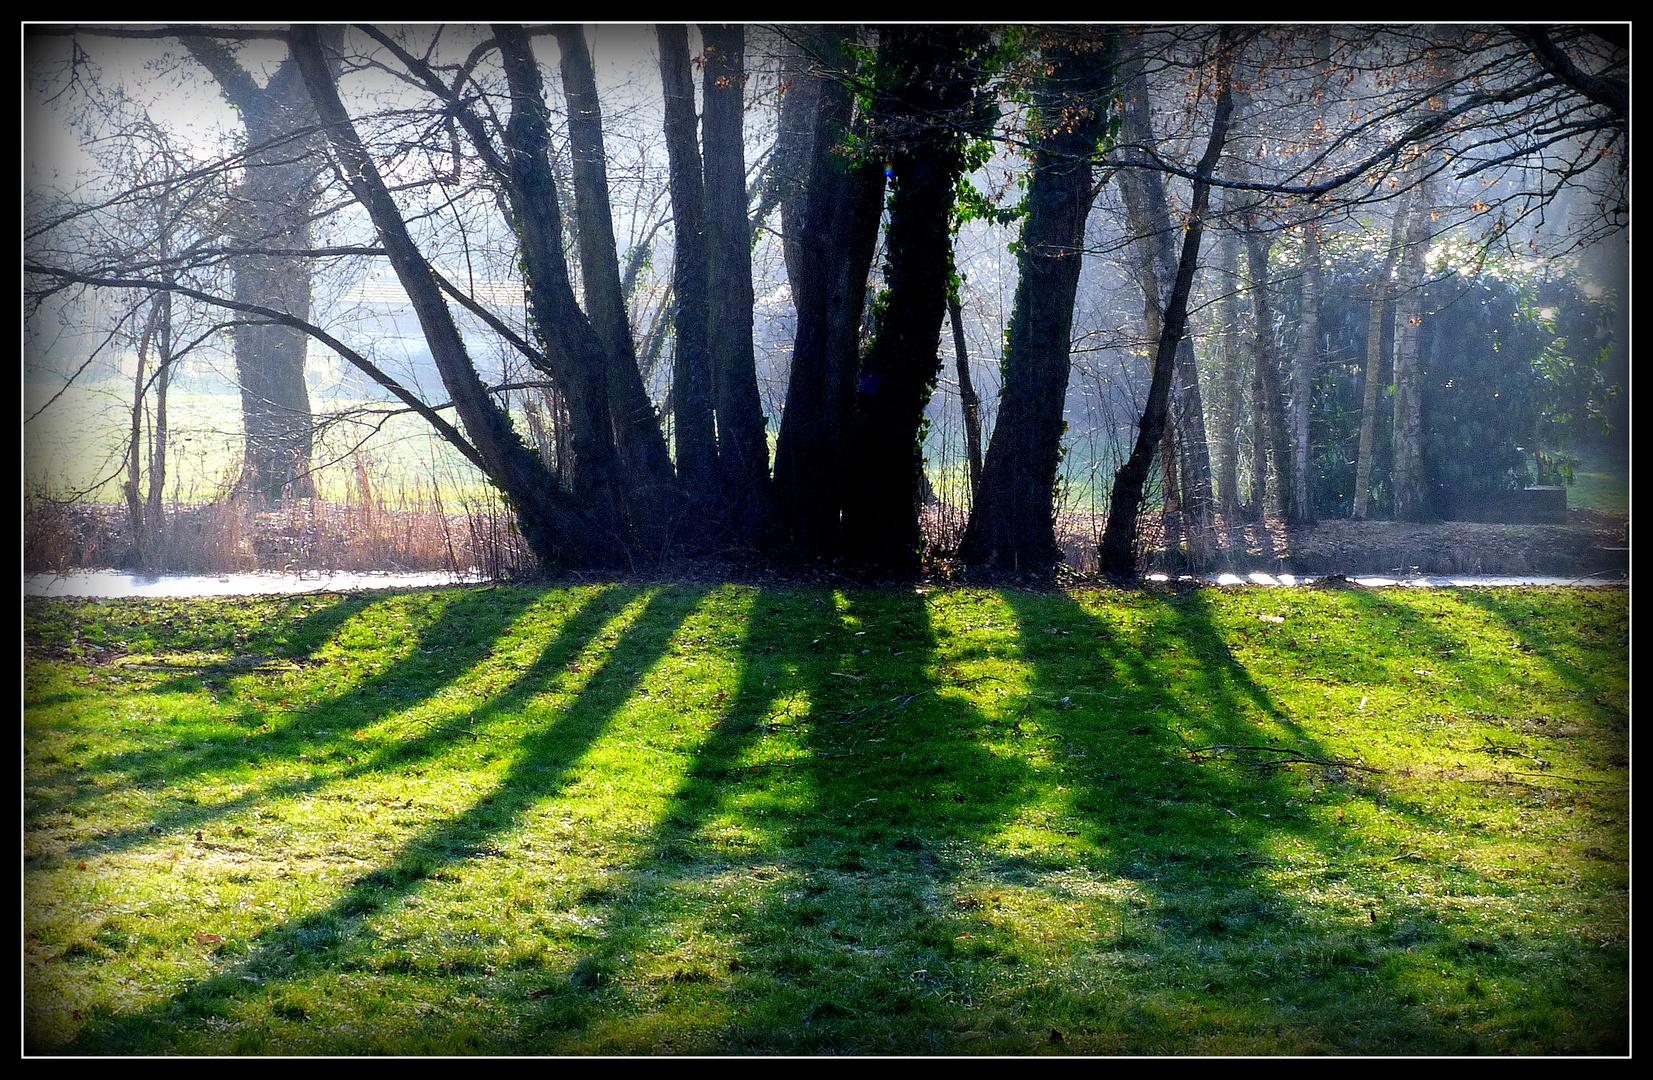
[637, 431]
[1116, 555]
[931, 95]
[742, 436]
[840, 196]
[273, 206]
[553, 527]
[578, 359]
[1012, 526]
[694, 426]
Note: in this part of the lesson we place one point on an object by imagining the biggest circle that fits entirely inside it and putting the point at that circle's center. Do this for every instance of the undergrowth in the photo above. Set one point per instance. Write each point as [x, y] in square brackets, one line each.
[627, 819]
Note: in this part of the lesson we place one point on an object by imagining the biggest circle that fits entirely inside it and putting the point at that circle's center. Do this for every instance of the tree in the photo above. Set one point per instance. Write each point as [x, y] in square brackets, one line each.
[1011, 525]
[742, 435]
[560, 531]
[838, 193]
[1427, 111]
[1377, 313]
[637, 433]
[1148, 218]
[274, 205]
[1117, 551]
[926, 106]
[693, 417]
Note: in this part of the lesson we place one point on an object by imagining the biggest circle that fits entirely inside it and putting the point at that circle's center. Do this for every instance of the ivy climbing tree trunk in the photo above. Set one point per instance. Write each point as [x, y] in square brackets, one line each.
[838, 194]
[929, 102]
[1012, 526]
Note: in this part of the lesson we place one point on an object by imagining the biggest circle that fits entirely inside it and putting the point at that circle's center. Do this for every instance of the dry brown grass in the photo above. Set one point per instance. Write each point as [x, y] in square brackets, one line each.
[415, 530]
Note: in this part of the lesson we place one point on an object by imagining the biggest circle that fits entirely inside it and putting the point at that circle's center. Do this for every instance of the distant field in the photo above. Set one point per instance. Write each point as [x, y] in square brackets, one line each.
[78, 442]
[1601, 482]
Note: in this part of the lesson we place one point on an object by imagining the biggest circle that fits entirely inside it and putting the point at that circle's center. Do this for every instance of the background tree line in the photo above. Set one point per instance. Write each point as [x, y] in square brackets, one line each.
[1336, 255]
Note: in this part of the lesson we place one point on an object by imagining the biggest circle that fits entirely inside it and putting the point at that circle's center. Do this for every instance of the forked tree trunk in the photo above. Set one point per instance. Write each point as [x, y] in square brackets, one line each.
[637, 432]
[556, 529]
[274, 203]
[834, 195]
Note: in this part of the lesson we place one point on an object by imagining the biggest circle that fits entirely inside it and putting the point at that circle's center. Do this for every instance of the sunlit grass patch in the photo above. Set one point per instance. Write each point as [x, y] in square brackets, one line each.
[625, 819]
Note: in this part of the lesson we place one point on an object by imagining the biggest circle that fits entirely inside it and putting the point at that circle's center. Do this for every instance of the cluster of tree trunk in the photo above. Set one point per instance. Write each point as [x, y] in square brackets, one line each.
[876, 132]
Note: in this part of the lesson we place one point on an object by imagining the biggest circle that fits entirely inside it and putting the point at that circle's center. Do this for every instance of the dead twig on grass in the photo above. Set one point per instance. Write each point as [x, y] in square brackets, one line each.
[1289, 756]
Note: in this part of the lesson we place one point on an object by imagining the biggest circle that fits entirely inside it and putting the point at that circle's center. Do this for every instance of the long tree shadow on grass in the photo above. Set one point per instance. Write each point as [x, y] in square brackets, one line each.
[853, 775]
[541, 762]
[296, 640]
[1209, 844]
[1518, 618]
[316, 742]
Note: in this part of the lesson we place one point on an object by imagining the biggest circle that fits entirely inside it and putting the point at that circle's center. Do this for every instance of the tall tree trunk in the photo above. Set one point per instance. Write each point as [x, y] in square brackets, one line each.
[1269, 449]
[1377, 310]
[1304, 361]
[969, 403]
[932, 97]
[742, 435]
[143, 546]
[154, 514]
[830, 223]
[1117, 552]
[1228, 376]
[1412, 501]
[274, 205]
[693, 420]
[1012, 525]
[637, 432]
[1185, 457]
[556, 530]
[580, 363]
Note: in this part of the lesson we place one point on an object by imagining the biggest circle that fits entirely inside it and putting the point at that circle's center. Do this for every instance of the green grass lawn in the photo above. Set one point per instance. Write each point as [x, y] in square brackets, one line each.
[631, 819]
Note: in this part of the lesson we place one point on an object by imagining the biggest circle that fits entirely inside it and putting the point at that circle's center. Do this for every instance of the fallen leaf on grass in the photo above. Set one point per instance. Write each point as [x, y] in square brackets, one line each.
[1272, 618]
